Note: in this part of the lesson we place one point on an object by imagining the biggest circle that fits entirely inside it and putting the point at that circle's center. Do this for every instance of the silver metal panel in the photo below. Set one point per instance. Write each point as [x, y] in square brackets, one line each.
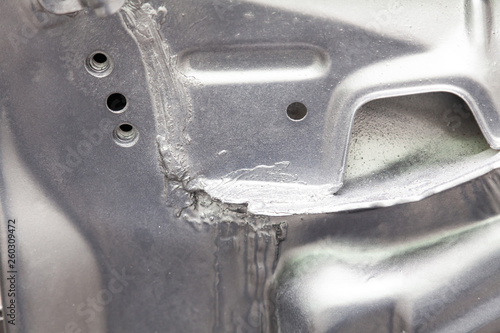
[198, 204]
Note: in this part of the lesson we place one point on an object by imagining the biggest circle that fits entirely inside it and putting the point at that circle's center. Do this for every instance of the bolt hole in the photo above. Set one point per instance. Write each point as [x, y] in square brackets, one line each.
[296, 111]
[99, 64]
[126, 135]
[100, 58]
[116, 102]
[126, 127]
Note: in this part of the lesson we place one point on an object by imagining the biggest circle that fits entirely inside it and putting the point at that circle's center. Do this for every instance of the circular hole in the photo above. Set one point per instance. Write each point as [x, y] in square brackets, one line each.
[125, 135]
[100, 58]
[296, 111]
[99, 64]
[116, 102]
[126, 127]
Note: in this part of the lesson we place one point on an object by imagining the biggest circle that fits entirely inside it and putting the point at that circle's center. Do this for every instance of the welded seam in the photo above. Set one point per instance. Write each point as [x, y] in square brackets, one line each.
[170, 99]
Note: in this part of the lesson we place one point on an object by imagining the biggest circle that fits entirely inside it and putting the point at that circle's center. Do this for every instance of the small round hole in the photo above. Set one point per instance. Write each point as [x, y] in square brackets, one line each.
[296, 111]
[116, 102]
[126, 127]
[126, 135]
[99, 64]
[100, 58]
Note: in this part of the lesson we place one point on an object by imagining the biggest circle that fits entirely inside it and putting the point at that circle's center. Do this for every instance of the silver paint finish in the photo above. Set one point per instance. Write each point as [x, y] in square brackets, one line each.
[101, 8]
[236, 66]
[133, 239]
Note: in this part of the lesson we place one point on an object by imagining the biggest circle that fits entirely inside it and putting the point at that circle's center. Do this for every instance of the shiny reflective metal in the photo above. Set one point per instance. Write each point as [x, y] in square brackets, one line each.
[100, 7]
[256, 132]
[237, 66]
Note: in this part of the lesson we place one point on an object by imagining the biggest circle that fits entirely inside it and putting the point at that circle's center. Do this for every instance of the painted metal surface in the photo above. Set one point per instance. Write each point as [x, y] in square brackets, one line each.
[203, 166]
